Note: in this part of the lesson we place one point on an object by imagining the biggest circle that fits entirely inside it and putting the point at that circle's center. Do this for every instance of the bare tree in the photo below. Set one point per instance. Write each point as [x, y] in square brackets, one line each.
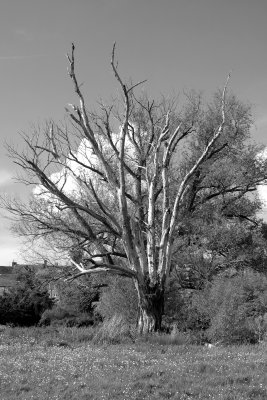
[117, 196]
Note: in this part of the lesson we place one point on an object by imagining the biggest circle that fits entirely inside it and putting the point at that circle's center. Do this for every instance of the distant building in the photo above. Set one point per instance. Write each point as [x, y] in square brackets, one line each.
[7, 279]
[8, 276]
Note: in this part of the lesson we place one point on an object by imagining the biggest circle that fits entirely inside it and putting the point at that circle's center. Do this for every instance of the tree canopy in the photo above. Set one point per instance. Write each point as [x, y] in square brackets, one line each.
[121, 185]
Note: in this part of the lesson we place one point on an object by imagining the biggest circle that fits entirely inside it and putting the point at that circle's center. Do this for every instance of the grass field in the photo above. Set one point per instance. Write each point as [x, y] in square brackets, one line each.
[47, 364]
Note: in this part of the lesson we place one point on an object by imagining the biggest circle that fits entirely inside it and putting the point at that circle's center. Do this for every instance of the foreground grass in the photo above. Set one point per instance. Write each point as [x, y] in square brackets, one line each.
[45, 364]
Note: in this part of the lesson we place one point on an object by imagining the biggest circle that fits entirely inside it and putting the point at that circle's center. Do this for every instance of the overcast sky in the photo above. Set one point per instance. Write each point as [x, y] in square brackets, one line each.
[176, 44]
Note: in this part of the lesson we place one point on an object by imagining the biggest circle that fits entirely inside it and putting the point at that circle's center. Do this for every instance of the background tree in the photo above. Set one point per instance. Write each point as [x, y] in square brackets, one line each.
[24, 304]
[122, 198]
[218, 245]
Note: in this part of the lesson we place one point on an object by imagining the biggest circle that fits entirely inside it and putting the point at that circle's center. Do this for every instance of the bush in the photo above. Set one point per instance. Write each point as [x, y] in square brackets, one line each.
[54, 316]
[176, 304]
[24, 304]
[79, 295]
[235, 308]
[82, 320]
[59, 316]
[118, 298]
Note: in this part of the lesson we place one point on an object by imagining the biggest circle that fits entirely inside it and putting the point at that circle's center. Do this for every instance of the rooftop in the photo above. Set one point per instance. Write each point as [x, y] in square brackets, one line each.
[8, 274]
[5, 270]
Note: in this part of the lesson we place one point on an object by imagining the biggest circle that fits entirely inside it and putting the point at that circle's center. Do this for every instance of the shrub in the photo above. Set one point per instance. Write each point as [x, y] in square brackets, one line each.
[81, 320]
[55, 315]
[79, 295]
[118, 298]
[176, 304]
[24, 304]
[235, 308]
[59, 316]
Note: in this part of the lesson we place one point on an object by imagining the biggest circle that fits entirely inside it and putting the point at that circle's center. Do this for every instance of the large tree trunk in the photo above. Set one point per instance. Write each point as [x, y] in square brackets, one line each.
[151, 309]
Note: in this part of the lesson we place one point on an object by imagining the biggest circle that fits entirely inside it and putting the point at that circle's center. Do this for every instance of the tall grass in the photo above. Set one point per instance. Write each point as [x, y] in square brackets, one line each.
[115, 330]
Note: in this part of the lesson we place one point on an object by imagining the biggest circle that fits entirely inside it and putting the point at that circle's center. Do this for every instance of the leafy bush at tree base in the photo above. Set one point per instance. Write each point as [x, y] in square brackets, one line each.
[119, 297]
[236, 308]
[58, 316]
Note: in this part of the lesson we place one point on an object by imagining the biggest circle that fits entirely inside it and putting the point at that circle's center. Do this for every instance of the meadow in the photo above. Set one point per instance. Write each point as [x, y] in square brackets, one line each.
[64, 363]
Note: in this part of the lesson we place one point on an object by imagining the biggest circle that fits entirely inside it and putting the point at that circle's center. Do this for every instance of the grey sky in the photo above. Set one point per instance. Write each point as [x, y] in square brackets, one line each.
[175, 44]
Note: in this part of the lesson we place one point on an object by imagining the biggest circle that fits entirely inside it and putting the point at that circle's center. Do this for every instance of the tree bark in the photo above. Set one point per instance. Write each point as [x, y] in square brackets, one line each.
[151, 309]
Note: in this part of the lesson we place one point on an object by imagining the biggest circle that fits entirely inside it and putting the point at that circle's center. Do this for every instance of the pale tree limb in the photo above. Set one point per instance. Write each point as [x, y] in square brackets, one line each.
[151, 240]
[103, 267]
[84, 123]
[129, 240]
